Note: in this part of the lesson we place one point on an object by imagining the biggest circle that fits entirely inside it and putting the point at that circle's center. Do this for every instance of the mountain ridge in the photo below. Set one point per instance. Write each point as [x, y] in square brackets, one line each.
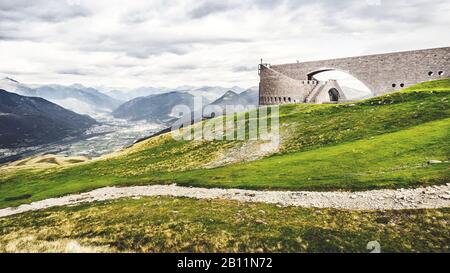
[75, 97]
[154, 108]
[29, 121]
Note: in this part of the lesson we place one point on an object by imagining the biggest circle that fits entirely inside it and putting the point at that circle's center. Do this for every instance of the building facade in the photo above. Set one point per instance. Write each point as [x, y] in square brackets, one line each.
[381, 73]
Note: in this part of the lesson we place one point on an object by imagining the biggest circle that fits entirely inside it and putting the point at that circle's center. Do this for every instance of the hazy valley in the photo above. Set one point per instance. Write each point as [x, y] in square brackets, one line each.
[112, 123]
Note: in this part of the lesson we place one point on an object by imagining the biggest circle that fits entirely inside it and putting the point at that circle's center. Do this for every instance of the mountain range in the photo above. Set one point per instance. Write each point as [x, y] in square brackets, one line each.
[209, 93]
[154, 108]
[159, 108]
[247, 97]
[76, 97]
[92, 101]
[30, 121]
[212, 93]
[127, 95]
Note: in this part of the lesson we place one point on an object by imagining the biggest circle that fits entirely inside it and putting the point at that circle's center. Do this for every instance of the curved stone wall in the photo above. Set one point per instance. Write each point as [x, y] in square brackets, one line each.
[276, 88]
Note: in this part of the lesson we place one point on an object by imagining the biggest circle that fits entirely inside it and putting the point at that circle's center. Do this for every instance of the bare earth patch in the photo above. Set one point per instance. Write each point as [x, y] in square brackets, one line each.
[248, 151]
[44, 161]
[32, 244]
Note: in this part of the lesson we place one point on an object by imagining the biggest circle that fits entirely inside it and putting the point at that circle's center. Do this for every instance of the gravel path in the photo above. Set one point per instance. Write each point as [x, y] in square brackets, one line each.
[420, 198]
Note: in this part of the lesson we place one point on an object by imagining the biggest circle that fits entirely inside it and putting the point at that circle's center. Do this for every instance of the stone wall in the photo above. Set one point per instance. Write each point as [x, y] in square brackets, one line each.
[279, 89]
[321, 94]
[382, 73]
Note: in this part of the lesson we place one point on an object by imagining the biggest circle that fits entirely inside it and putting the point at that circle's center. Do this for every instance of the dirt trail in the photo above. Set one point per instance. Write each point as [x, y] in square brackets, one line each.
[420, 198]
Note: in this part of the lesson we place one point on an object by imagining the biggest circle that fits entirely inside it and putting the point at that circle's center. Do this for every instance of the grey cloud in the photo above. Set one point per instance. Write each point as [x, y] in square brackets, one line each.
[15, 34]
[184, 67]
[150, 46]
[387, 16]
[138, 49]
[145, 52]
[6, 37]
[268, 4]
[211, 7]
[40, 10]
[244, 68]
[178, 70]
[136, 17]
[72, 71]
[177, 47]
[409, 13]
[194, 38]
[12, 73]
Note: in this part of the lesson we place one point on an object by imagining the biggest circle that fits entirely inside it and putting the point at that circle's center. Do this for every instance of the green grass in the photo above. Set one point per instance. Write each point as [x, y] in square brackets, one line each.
[382, 142]
[163, 224]
[388, 161]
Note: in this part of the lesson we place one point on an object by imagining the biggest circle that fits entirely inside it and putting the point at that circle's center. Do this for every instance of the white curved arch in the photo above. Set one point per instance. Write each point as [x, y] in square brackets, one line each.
[353, 87]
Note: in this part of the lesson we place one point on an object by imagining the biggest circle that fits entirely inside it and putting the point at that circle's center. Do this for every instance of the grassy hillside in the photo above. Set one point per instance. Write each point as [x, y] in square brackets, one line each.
[377, 143]
[163, 224]
[390, 160]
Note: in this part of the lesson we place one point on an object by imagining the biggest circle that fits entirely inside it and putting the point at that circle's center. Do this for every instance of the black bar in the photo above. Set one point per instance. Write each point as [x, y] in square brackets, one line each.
[221, 262]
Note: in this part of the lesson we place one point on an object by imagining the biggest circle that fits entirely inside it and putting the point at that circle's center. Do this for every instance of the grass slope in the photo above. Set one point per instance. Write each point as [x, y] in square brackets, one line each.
[387, 161]
[163, 224]
[377, 143]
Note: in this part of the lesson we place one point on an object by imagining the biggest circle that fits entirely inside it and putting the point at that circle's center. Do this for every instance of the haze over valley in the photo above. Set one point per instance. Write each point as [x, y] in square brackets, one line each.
[113, 119]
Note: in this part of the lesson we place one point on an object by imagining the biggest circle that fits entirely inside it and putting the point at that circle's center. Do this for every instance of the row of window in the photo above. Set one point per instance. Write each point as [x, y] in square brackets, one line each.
[277, 100]
[440, 73]
[431, 73]
[401, 85]
[310, 82]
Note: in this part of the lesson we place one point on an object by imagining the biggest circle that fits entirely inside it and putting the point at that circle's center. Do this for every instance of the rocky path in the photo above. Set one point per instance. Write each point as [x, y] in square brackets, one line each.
[420, 198]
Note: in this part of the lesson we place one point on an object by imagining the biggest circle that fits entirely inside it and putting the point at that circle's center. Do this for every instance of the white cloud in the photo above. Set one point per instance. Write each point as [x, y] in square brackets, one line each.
[170, 43]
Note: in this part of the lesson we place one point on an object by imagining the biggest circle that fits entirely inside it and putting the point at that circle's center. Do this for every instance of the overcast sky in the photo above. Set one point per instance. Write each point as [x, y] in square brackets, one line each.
[197, 42]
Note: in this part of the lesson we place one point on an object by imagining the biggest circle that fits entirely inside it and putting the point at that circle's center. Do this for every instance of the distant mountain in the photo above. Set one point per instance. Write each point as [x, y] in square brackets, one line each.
[135, 93]
[76, 97]
[16, 87]
[91, 101]
[30, 121]
[155, 108]
[184, 88]
[208, 93]
[158, 108]
[248, 97]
